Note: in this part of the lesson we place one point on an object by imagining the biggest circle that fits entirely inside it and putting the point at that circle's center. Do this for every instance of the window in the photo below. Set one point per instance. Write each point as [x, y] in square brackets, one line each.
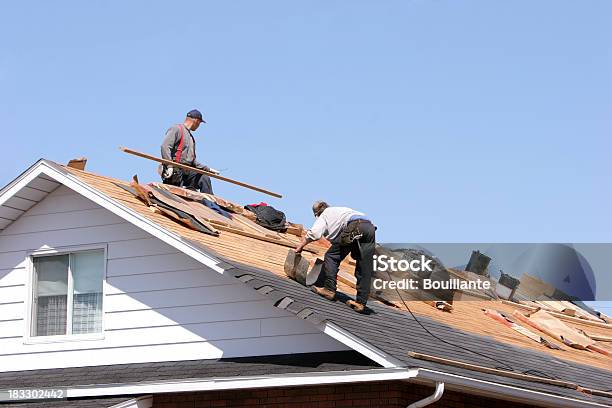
[67, 295]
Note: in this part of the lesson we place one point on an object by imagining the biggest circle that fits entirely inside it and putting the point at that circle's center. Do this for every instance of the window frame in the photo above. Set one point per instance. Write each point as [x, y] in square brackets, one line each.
[31, 286]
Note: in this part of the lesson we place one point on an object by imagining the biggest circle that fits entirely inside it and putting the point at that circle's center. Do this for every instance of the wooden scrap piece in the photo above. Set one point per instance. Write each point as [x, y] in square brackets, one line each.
[141, 193]
[555, 328]
[170, 208]
[78, 163]
[441, 305]
[561, 316]
[496, 371]
[296, 229]
[503, 319]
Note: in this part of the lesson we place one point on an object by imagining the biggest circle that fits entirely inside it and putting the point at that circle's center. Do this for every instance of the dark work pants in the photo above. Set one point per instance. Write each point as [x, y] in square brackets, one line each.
[191, 181]
[363, 255]
[196, 181]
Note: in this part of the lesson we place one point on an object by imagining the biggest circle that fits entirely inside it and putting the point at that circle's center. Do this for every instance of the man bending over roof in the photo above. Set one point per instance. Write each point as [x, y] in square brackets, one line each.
[179, 146]
[349, 231]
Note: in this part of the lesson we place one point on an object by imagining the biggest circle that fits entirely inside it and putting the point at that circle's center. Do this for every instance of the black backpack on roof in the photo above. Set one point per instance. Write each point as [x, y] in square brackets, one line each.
[269, 217]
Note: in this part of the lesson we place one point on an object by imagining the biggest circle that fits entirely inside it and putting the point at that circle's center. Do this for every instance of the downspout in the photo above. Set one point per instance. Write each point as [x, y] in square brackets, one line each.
[431, 399]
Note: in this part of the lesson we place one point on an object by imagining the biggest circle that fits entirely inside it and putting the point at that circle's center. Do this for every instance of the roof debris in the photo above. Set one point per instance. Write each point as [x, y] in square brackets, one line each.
[241, 240]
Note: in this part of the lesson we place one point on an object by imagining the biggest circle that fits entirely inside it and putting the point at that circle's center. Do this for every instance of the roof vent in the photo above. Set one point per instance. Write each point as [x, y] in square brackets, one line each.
[78, 164]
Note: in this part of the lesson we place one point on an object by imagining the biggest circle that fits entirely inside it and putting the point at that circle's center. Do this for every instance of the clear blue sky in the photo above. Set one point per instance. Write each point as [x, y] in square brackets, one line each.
[445, 121]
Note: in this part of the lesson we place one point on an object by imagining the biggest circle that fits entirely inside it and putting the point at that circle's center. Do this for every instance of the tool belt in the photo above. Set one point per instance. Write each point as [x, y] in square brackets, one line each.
[176, 176]
[351, 232]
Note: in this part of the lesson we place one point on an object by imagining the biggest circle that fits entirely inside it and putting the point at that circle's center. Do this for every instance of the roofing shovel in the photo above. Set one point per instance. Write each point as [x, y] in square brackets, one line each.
[299, 268]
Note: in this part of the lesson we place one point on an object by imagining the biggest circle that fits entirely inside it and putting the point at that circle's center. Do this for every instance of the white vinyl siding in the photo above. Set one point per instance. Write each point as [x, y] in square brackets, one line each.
[159, 304]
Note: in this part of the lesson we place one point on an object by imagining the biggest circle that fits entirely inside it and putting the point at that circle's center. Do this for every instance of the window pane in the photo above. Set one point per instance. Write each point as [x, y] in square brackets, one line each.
[88, 274]
[51, 274]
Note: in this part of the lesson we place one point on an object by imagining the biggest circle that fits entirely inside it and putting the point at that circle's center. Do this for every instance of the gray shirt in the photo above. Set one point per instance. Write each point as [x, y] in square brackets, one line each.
[331, 222]
[171, 142]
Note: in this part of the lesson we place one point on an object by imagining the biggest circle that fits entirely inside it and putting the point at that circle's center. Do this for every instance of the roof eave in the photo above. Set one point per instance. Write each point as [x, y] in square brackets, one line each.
[501, 391]
[59, 174]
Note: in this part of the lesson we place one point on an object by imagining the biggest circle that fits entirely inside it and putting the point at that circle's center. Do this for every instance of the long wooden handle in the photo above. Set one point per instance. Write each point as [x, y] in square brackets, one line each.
[208, 173]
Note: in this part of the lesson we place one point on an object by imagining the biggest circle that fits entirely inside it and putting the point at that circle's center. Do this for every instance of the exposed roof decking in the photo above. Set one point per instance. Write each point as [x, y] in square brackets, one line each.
[466, 316]
[266, 260]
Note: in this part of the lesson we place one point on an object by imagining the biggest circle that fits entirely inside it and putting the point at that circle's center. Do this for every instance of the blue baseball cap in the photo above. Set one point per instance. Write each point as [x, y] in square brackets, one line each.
[195, 114]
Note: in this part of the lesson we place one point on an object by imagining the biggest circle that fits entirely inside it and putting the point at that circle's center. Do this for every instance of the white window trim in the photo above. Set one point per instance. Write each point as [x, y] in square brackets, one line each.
[29, 306]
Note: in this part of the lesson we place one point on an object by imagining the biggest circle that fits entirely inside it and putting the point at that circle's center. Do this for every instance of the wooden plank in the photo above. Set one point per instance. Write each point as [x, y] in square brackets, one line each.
[503, 373]
[262, 238]
[259, 229]
[560, 315]
[193, 169]
[197, 196]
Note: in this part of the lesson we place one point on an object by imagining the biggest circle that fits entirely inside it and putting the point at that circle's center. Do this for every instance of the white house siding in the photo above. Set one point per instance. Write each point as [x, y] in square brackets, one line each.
[159, 304]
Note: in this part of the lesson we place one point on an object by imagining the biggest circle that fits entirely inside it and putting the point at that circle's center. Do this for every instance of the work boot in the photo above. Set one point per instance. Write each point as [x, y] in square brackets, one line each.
[356, 306]
[326, 293]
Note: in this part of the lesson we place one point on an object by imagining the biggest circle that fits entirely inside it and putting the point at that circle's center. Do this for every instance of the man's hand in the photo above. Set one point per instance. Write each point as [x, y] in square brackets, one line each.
[167, 172]
[208, 169]
[301, 245]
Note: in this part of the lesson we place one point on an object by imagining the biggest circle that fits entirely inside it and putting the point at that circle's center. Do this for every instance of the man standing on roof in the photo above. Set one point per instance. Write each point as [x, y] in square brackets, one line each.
[179, 145]
[349, 231]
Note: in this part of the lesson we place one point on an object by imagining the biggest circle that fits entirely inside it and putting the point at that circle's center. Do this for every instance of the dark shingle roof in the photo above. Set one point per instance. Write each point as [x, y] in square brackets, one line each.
[396, 333]
[173, 370]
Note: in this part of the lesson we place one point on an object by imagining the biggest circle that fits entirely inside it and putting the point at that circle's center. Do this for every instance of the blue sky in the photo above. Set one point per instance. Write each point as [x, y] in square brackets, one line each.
[445, 121]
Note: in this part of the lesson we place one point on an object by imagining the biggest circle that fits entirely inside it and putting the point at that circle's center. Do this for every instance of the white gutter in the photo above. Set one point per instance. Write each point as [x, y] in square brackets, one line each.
[501, 391]
[140, 402]
[431, 399]
[413, 375]
[235, 383]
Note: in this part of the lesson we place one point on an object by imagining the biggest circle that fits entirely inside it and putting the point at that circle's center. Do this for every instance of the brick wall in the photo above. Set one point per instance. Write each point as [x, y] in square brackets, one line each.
[378, 394]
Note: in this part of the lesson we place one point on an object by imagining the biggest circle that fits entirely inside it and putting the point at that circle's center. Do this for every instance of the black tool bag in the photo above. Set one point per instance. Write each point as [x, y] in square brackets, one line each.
[350, 233]
[269, 217]
[175, 179]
